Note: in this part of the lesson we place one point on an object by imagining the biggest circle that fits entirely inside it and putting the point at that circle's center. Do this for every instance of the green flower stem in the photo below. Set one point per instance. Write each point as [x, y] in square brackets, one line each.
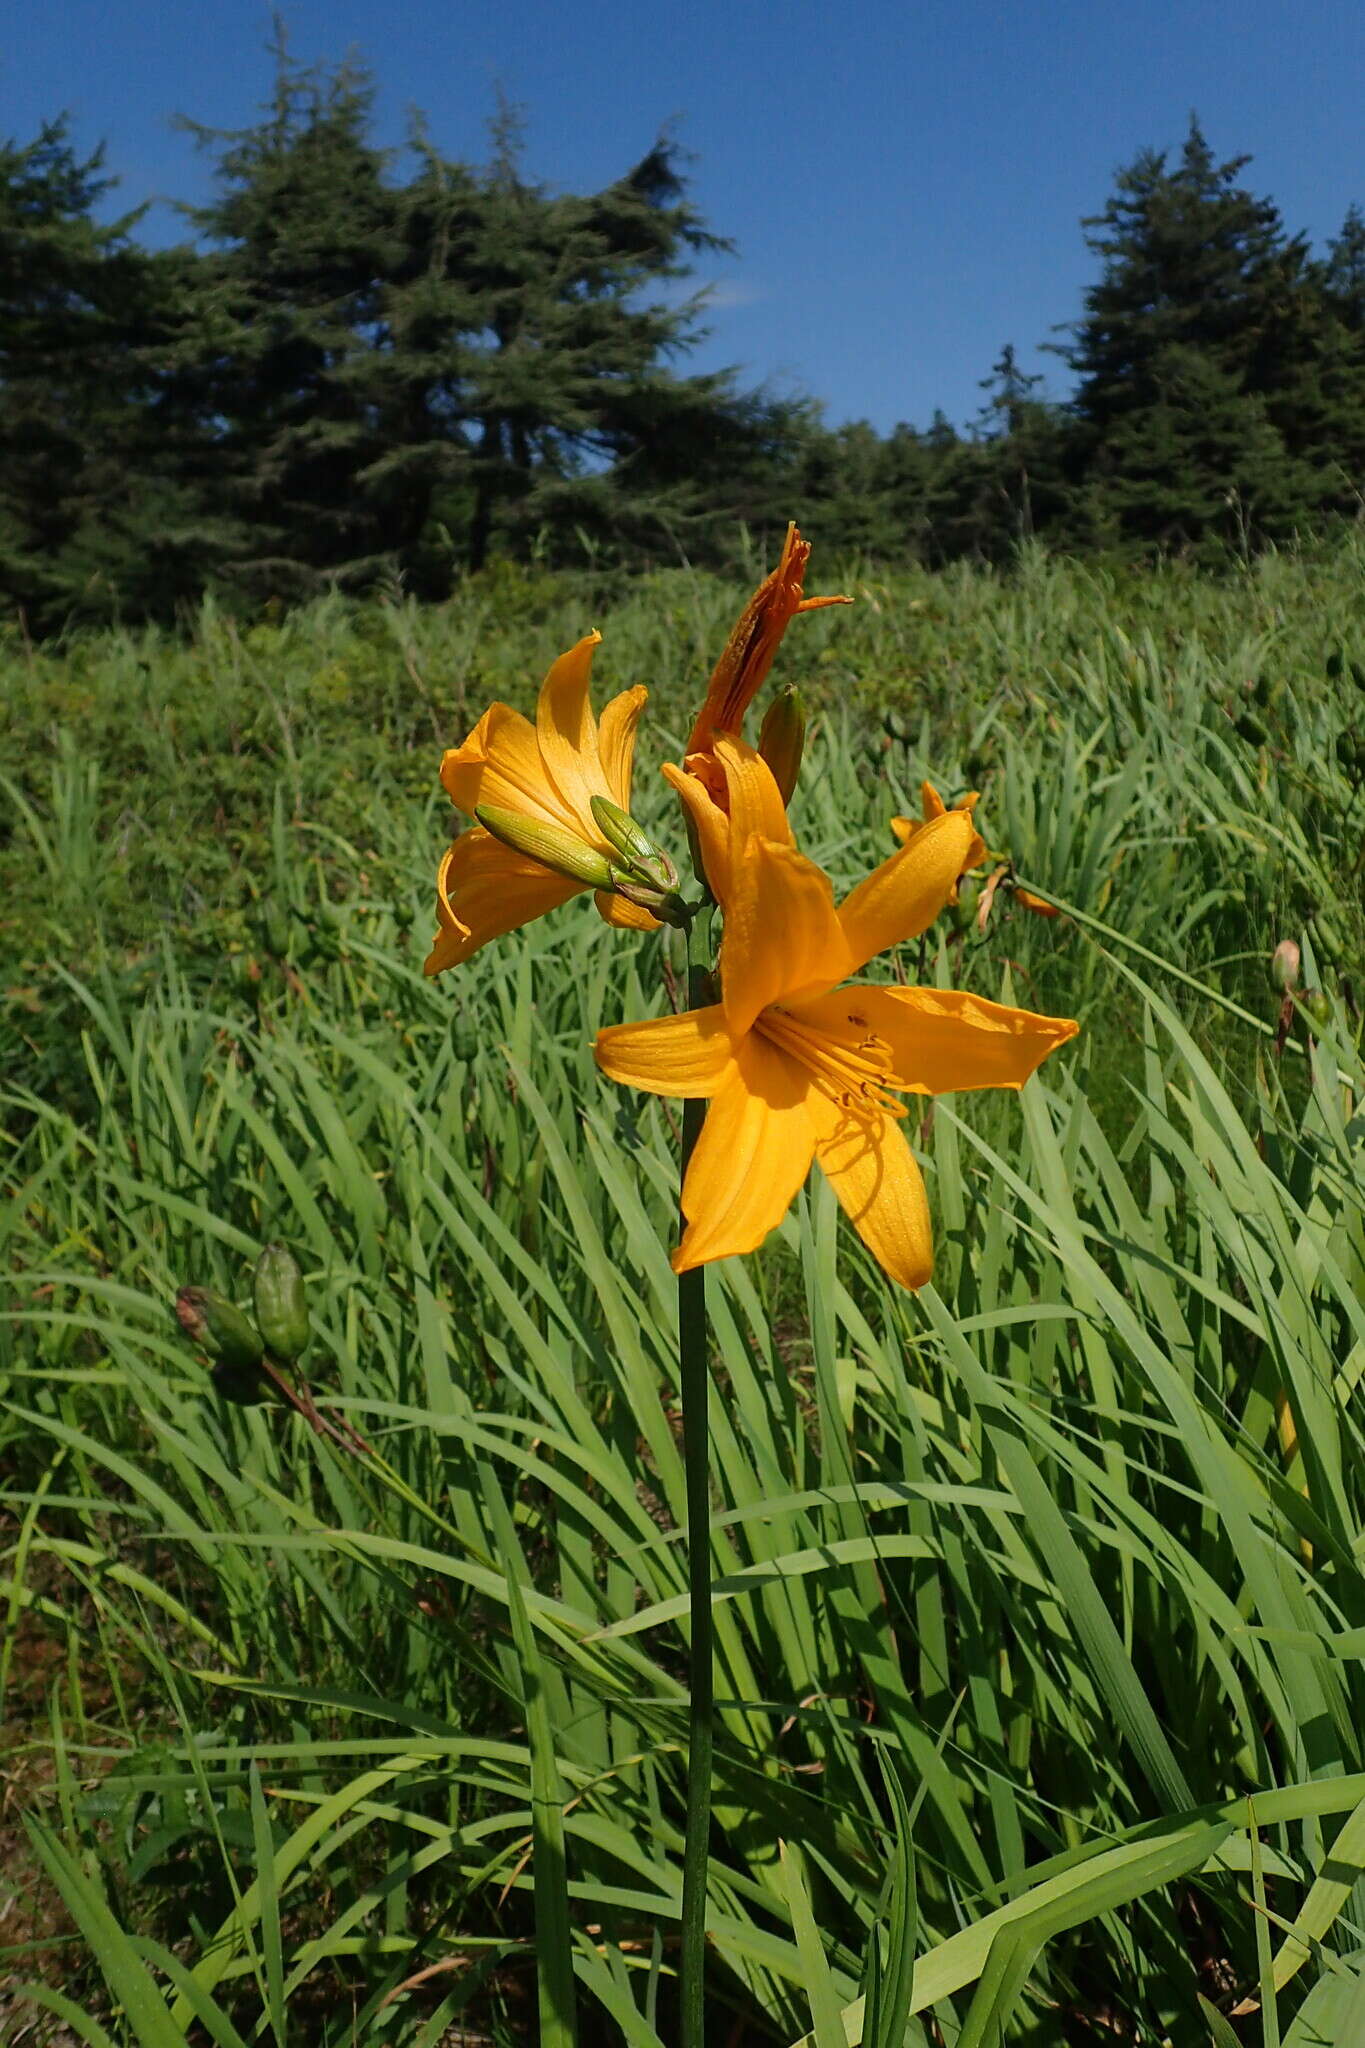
[695, 1386]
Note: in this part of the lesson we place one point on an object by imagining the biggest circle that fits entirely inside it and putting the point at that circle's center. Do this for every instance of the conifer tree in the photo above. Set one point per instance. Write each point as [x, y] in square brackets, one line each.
[548, 346]
[1201, 468]
[1199, 288]
[83, 312]
[1344, 276]
[1185, 254]
[278, 343]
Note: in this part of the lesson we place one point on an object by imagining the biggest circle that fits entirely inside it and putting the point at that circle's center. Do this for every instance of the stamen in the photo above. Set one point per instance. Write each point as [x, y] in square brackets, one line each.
[854, 1073]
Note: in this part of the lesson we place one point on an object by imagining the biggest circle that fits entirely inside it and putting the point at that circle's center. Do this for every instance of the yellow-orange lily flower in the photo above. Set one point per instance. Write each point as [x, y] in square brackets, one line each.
[797, 1066]
[548, 773]
[932, 806]
[748, 655]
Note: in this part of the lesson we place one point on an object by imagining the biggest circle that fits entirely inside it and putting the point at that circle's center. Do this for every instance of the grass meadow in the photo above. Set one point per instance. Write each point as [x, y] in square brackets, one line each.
[1040, 1594]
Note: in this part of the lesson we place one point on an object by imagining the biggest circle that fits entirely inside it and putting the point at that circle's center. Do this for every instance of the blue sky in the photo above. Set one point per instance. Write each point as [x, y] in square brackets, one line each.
[905, 188]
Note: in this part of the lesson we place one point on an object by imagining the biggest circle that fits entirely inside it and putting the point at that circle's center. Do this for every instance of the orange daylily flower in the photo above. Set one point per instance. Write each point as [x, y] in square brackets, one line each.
[932, 806]
[548, 773]
[748, 655]
[797, 1066]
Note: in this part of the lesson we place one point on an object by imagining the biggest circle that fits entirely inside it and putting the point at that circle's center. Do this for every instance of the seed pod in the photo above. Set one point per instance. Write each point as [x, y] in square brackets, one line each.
[1316, 1005]
[218, 1328]
[549, 845]
[1284, 966]
[281, 1311]
[782, 739]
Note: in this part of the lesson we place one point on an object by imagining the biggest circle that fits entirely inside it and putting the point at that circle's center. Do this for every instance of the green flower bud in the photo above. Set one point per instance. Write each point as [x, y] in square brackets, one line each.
[218, 1328]
[632, 842]
[1327, 938]
[549, 845]
[281, 1311]
[276, 927]
[782, 739]
[1316, 1005]
[963, 912]
[1284, 966]
[665, 904]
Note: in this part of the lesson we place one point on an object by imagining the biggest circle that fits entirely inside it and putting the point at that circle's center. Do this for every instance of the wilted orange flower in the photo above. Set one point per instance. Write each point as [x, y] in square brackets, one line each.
[797, 1067]
[1039, 905]
[748, 655]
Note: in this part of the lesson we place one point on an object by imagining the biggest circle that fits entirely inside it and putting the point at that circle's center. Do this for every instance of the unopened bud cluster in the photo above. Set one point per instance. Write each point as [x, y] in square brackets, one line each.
[239, 1346]
[643, 873]
[635, 867]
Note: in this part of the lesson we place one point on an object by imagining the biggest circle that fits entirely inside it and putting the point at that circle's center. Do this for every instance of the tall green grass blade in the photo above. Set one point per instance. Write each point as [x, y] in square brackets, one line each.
[554, 1939]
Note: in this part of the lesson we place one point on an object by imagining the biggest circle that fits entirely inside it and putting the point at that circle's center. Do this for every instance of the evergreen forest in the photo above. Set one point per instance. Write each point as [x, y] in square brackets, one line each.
[374, 369]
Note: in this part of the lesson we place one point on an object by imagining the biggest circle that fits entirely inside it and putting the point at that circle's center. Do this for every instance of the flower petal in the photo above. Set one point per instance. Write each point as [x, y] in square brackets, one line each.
[753, 1154]
[567, 733]
[689, 1055]
[932, 806]
[500, 764]
[874, 1173]
[616, 742]
[626, 917]
[753, 803]
[712, 828]
[902, 897]
[755, 800]
[484, 889]
[783, 939]
[942, 1039]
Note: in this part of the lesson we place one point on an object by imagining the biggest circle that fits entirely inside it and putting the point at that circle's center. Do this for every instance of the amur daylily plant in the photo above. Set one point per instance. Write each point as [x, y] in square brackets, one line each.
[790, 1060]
[796, 1066]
